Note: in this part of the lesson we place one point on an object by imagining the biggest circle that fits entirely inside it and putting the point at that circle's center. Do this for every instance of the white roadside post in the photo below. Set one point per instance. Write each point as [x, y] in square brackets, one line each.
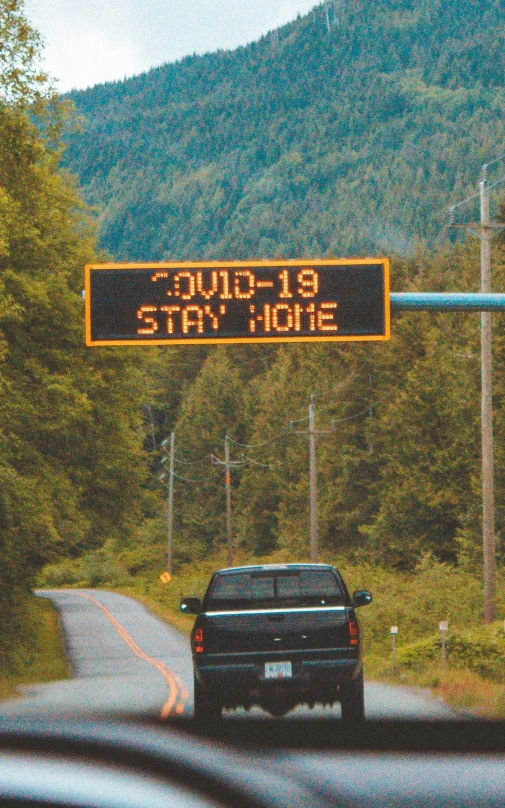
[443, 626]
[393, 631]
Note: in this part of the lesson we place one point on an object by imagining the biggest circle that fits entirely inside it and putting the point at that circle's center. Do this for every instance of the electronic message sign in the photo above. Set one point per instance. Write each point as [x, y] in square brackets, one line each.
[237, 301]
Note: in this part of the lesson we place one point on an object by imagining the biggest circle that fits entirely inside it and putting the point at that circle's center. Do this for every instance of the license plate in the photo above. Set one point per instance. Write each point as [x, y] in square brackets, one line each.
[278, 670]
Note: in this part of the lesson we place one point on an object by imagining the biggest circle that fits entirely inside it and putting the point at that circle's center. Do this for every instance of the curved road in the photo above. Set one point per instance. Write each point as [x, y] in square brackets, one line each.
[124, 660]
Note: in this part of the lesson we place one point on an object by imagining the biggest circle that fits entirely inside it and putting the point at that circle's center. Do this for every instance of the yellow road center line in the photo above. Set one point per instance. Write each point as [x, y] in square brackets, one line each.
[177, 691]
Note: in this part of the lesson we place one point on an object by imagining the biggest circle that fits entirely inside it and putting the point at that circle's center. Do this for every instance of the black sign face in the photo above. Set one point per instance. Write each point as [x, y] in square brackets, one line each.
[240, 301]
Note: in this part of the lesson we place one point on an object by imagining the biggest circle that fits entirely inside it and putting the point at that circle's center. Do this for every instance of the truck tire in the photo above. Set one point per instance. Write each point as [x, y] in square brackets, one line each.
[206, 708]
[352, 700]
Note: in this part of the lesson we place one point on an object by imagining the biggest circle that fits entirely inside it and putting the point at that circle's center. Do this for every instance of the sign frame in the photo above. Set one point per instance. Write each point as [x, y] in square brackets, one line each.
[188, 266]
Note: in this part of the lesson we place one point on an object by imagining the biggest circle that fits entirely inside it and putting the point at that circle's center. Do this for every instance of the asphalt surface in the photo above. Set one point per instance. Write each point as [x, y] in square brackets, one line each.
[126, 661]
[122, 659]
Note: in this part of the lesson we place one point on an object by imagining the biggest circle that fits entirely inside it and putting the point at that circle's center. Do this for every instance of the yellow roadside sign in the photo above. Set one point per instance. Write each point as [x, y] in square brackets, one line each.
[165, 577]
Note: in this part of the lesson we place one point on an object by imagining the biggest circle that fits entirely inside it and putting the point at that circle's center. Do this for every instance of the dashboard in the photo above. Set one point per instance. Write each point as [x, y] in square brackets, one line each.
[255, 764]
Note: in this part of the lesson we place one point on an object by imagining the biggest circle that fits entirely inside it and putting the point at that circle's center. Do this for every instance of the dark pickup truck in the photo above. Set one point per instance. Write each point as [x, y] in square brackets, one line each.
[277, 636]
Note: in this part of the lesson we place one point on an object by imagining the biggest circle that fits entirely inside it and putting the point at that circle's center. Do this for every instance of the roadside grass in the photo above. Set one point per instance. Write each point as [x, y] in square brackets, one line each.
[415, 602]
[459, 688]
[468, 691]
[41, 657]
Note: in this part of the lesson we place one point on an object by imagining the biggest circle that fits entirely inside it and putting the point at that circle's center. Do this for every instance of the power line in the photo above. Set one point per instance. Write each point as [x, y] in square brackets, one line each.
[188, 462]
[285, 432]
[362, 412]
[183, 479]
[251, 461]
[491, 162]
[277, 437]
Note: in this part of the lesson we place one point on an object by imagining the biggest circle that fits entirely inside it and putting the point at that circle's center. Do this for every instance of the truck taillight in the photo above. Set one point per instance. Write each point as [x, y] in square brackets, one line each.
[353, 632]
[198, 640]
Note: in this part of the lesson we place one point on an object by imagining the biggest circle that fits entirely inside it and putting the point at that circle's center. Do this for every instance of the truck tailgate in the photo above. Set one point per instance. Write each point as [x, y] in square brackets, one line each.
[276, 630]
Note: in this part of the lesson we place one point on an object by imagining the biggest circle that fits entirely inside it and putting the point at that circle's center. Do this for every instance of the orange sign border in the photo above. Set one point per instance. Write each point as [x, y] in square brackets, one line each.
[183, 265]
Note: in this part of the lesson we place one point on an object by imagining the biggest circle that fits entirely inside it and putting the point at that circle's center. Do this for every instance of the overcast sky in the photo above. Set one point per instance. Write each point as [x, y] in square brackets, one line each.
[91, 41]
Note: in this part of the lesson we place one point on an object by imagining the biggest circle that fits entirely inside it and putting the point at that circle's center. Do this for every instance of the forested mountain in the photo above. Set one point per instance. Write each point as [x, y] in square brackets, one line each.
[351, 138]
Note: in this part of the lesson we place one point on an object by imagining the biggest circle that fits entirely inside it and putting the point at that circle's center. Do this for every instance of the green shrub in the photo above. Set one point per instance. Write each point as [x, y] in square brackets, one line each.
[96, 568]
[66, 573]
[479, 650]
[419, 654]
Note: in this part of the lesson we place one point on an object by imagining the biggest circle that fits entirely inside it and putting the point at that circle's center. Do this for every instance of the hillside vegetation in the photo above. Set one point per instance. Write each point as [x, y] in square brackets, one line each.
[307, 142]
[71, 461]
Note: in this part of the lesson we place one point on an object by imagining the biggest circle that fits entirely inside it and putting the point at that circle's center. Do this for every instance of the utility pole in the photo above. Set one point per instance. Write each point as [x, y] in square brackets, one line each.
[312, 435]
[485, 230]
[488, 526]
[229, 534]
[170, 501]
[228, 464]
[313, 482]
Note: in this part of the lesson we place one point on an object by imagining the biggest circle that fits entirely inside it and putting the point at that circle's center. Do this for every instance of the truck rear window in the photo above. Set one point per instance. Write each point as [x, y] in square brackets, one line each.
[274, 590]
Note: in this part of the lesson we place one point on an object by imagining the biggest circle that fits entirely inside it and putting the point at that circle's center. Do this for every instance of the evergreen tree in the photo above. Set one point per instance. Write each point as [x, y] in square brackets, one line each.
[71, 466]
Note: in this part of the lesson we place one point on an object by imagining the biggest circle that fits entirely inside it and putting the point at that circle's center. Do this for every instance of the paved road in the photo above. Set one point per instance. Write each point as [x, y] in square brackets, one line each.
[125, 660]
